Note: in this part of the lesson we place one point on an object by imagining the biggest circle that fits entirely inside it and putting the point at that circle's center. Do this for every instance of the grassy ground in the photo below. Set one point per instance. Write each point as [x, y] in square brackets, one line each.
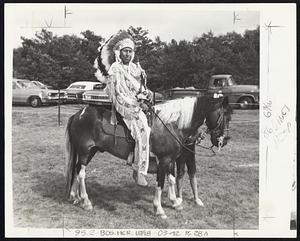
[228, 182]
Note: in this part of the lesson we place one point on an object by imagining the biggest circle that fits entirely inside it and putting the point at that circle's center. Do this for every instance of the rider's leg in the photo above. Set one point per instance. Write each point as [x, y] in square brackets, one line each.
[142, 145]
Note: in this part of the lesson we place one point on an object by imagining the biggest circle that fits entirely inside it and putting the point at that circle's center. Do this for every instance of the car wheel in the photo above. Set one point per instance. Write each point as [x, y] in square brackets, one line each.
[246, 103]
[35, 101]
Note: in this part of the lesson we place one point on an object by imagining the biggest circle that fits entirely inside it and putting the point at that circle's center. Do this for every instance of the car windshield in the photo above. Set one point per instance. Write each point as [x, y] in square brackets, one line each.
[27, 85]
[218, 82]
[99, 86]
[81, 87]
[41, 85]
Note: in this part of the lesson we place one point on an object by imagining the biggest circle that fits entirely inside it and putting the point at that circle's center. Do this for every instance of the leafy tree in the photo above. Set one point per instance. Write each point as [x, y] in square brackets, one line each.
[59, 61]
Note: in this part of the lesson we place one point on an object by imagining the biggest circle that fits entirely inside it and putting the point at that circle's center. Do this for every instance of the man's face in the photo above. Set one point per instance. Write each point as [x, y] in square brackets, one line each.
[126, 55]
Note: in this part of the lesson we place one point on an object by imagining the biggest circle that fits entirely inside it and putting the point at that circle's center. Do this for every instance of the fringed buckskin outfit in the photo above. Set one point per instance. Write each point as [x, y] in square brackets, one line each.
[124, 86]
[125, 89]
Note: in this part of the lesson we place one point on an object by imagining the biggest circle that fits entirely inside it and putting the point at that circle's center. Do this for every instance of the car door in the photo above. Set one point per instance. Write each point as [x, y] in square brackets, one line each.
[226, 90]
[17, 93]
[220, 85]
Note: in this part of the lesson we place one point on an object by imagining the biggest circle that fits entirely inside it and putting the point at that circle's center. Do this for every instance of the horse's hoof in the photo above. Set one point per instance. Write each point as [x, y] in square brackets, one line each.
[159, 213]
[178, 208]
[76, 201]
[87, 207]
[162, 215]
[177, 203]
[199, 202]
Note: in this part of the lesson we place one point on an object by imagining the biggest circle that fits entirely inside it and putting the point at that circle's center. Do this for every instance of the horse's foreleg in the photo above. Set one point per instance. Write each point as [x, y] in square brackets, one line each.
[193, 182]
[158, 190]
[157, 203]
[180, 162]
[179, 185]
[85, 202]
[176, 203]
[191, 166]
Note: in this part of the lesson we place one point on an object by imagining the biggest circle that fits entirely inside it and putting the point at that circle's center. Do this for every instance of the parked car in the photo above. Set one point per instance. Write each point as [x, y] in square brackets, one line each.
[98, 96]
[76, 90]
[27, 92]
[242, 96]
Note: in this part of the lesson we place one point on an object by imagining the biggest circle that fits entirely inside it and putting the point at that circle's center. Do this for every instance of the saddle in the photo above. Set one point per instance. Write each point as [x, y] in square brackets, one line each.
[119, 130]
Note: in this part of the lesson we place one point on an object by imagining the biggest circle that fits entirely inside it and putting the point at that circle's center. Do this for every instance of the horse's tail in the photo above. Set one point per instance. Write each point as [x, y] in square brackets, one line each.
[71, 158]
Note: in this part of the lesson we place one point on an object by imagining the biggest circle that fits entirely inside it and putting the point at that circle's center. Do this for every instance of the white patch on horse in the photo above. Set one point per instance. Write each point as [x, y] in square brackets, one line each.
[178, 110]
[82, 112]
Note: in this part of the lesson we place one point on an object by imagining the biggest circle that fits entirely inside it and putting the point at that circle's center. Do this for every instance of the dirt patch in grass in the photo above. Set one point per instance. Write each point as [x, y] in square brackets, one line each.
[227, 188]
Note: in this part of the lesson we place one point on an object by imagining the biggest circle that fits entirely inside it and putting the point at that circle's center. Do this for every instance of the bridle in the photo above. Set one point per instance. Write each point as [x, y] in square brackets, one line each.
[215, 131]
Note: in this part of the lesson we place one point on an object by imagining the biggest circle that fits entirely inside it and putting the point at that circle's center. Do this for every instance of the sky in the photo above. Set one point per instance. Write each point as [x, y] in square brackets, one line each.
[168, 21]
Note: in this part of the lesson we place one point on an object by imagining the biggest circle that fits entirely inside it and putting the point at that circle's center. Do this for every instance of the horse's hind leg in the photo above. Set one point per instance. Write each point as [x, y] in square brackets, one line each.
[74, 194]
[85, 202]
[84, 160]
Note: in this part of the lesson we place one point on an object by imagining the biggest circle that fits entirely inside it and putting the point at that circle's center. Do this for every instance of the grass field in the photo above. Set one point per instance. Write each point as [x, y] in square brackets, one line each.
[228, 182]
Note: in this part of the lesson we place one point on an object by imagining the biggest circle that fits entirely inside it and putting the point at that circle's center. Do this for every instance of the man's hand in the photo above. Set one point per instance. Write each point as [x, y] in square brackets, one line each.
[144, 107]
[141, 96]
[150, 96]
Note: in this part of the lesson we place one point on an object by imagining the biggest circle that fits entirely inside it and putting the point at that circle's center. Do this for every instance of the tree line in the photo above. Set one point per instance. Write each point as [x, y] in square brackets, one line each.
[60, 61]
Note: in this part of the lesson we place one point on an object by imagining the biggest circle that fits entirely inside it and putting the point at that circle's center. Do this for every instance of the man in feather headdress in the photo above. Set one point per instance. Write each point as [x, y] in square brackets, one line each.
[127, 91]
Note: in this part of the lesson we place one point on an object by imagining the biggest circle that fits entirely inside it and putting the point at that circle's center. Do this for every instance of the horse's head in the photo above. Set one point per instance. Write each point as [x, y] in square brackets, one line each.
[217, 121]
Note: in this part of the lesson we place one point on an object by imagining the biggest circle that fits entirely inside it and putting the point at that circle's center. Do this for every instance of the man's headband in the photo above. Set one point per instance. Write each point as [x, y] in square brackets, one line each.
[125, 43]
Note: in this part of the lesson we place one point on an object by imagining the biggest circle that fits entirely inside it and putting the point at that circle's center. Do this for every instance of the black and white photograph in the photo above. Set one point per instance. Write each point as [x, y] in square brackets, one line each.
[150, 120]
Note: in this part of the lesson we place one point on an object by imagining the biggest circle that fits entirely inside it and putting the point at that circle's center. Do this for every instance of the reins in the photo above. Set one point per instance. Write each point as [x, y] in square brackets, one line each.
[175, 137]
[180, 142]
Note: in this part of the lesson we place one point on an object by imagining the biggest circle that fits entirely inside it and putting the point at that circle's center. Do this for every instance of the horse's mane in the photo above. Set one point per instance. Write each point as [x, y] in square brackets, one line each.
[179, 111]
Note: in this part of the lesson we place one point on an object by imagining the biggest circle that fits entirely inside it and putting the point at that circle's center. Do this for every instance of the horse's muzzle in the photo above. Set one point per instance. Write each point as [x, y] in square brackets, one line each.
[220, 141]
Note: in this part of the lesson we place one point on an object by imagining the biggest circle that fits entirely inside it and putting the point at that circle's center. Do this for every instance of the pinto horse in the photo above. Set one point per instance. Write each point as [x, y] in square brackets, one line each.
[173, 122]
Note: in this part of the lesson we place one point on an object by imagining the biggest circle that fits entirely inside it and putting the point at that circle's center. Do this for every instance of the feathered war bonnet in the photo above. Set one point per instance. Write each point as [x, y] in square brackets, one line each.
[109, 53]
